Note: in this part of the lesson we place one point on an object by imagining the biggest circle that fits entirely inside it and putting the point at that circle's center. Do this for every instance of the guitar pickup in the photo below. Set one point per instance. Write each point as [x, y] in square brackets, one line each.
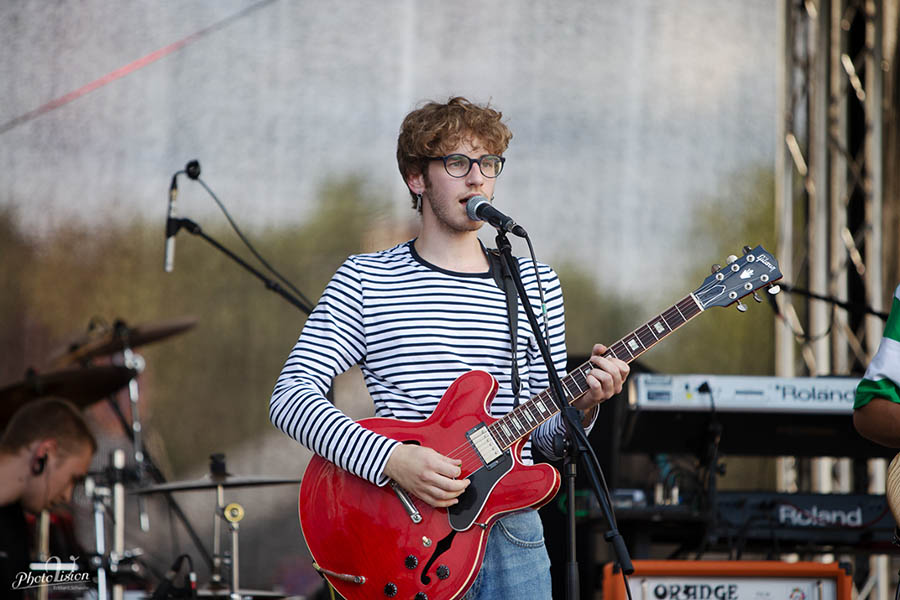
[481, 439]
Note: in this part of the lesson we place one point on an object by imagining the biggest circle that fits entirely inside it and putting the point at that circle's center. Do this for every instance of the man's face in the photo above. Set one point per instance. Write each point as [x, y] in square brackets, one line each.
[55, 484]
[445, 197]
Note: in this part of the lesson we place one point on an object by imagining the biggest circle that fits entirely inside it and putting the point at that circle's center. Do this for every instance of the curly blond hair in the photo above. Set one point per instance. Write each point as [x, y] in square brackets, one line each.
[435, 129]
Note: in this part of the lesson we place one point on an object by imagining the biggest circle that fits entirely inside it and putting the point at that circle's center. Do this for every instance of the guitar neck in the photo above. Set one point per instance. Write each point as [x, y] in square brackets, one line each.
[524, 419]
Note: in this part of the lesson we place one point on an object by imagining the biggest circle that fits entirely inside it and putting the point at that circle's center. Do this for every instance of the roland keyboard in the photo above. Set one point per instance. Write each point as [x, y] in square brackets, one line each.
[767, 416]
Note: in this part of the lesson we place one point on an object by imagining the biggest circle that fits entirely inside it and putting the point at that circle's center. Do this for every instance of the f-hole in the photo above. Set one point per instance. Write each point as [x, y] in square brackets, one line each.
[441, 547]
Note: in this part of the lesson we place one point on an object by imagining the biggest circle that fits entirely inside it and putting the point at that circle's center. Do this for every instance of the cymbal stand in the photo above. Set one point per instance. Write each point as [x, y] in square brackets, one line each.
[232, 513]
[217, 472]
[216, 575]
[44, 548]
[118, 497]
[101, 496]
[98, 495]
[136, 362]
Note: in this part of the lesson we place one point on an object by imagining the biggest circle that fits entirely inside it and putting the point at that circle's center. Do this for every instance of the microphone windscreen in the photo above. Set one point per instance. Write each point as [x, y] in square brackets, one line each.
[472, 207]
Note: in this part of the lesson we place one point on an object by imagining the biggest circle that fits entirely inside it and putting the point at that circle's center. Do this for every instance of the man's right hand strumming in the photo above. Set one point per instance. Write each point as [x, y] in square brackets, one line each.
[426, 474]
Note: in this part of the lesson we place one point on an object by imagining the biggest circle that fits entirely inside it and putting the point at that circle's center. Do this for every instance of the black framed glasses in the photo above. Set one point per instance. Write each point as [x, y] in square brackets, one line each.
[459, 165]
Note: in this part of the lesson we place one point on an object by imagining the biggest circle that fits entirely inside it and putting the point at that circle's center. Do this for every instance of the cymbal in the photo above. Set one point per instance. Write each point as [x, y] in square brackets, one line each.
[119, 337]
[209, 482]
[82, 386]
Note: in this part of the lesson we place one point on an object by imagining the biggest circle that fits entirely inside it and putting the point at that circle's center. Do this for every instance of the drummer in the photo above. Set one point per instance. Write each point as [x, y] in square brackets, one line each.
[45, 451]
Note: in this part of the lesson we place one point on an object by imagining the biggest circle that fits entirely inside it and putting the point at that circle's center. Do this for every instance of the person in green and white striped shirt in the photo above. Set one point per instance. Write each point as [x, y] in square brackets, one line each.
[876, 411]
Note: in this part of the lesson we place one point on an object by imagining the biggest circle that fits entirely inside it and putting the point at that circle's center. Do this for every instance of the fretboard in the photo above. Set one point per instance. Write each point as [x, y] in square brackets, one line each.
[524, 419]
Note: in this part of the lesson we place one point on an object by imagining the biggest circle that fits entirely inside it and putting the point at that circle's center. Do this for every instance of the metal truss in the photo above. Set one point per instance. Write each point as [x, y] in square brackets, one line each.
[829, 197]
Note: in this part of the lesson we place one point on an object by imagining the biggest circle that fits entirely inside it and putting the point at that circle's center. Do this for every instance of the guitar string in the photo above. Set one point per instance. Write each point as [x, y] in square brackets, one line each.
[466, 451]
[685, 310]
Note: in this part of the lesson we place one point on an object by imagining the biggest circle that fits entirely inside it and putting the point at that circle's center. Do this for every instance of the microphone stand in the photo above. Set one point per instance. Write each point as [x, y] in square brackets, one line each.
[173, 225]
[848, 306]
[576, 445]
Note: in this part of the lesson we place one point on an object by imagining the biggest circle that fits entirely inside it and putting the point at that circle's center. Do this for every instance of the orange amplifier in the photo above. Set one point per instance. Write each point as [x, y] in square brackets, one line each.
[728, 580]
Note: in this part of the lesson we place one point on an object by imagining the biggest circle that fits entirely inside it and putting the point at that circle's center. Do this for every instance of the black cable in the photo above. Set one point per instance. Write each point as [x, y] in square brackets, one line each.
[242, 237]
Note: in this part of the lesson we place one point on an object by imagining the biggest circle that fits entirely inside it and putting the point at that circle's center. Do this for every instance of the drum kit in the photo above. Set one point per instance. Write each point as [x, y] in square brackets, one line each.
[76, 379]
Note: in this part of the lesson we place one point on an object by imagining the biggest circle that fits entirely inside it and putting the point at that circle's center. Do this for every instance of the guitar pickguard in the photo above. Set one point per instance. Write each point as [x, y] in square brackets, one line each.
[481, 483]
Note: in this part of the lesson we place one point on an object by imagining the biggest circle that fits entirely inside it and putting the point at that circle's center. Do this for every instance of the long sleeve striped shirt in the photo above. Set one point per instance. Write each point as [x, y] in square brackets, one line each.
[413, 328]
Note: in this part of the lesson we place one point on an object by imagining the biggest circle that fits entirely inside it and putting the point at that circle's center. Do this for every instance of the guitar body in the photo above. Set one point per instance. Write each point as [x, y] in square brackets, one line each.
[354, 528]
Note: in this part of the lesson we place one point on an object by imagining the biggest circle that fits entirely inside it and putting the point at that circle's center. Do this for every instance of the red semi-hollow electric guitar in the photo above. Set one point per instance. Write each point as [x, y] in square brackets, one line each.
[381, 542]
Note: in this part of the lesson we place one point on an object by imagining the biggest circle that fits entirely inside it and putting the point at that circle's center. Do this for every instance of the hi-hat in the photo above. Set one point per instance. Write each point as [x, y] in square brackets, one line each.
[119, 337]
[81, 386]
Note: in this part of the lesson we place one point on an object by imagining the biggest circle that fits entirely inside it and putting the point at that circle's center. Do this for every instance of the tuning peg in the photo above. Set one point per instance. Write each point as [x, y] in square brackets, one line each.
[774, 289]
[731, 258]
[756, 297]
[741, 306]
[715, 268]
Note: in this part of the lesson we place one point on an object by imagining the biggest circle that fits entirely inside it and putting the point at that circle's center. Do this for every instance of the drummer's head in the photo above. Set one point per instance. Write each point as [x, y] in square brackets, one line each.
[53, 438]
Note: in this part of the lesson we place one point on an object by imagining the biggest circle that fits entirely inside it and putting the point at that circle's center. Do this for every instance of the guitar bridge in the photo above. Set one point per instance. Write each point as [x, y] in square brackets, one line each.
[481, 439]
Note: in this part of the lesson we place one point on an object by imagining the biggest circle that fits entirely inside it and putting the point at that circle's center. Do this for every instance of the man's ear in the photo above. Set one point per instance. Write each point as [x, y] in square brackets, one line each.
[416, 183]
[46, 447]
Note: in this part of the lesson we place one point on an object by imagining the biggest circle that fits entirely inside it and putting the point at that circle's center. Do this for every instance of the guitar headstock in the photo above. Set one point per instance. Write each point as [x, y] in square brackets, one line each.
[739, 278]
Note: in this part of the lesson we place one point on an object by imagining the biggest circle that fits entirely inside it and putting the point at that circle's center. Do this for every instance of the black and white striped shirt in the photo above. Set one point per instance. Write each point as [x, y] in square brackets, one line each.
[413, 328]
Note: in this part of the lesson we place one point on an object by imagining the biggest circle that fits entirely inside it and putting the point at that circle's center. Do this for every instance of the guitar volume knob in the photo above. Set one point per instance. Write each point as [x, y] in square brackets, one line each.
[411, 562]
[390, 590]
[421, 596]
[443, 572]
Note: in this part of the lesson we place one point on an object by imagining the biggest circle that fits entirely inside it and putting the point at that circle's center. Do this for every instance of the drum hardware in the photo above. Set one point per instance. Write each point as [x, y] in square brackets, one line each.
[232, 513]
[118, 561]
[122, 338]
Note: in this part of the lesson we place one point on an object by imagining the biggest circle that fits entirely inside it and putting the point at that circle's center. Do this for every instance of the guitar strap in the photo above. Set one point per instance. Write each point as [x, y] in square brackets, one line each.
[505, 282]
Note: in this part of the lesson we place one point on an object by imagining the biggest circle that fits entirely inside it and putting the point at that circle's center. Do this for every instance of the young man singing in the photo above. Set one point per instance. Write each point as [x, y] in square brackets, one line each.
[417, 316]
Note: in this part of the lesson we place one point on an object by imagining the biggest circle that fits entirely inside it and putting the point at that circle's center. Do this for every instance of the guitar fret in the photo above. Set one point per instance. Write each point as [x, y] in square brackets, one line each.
[577, 387]
[673, 315]
[660, 327]
[551, 408]
[517, 425]
[646, 337]
[634, 346]
[625, 348]
[498, 435]
[528, 417]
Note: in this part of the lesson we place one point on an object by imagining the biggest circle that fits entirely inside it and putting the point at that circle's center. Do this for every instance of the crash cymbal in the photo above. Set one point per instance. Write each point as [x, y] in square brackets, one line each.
[119, 337]
[82, 386]
[209, 482]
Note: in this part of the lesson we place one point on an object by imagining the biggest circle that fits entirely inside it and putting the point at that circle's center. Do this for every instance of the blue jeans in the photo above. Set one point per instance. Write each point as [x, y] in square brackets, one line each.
[516, 564]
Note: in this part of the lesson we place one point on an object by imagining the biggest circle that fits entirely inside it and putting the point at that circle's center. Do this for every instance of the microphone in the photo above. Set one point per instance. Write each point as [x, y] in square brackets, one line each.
[192, 169]
[479, 208]
[171, 227]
